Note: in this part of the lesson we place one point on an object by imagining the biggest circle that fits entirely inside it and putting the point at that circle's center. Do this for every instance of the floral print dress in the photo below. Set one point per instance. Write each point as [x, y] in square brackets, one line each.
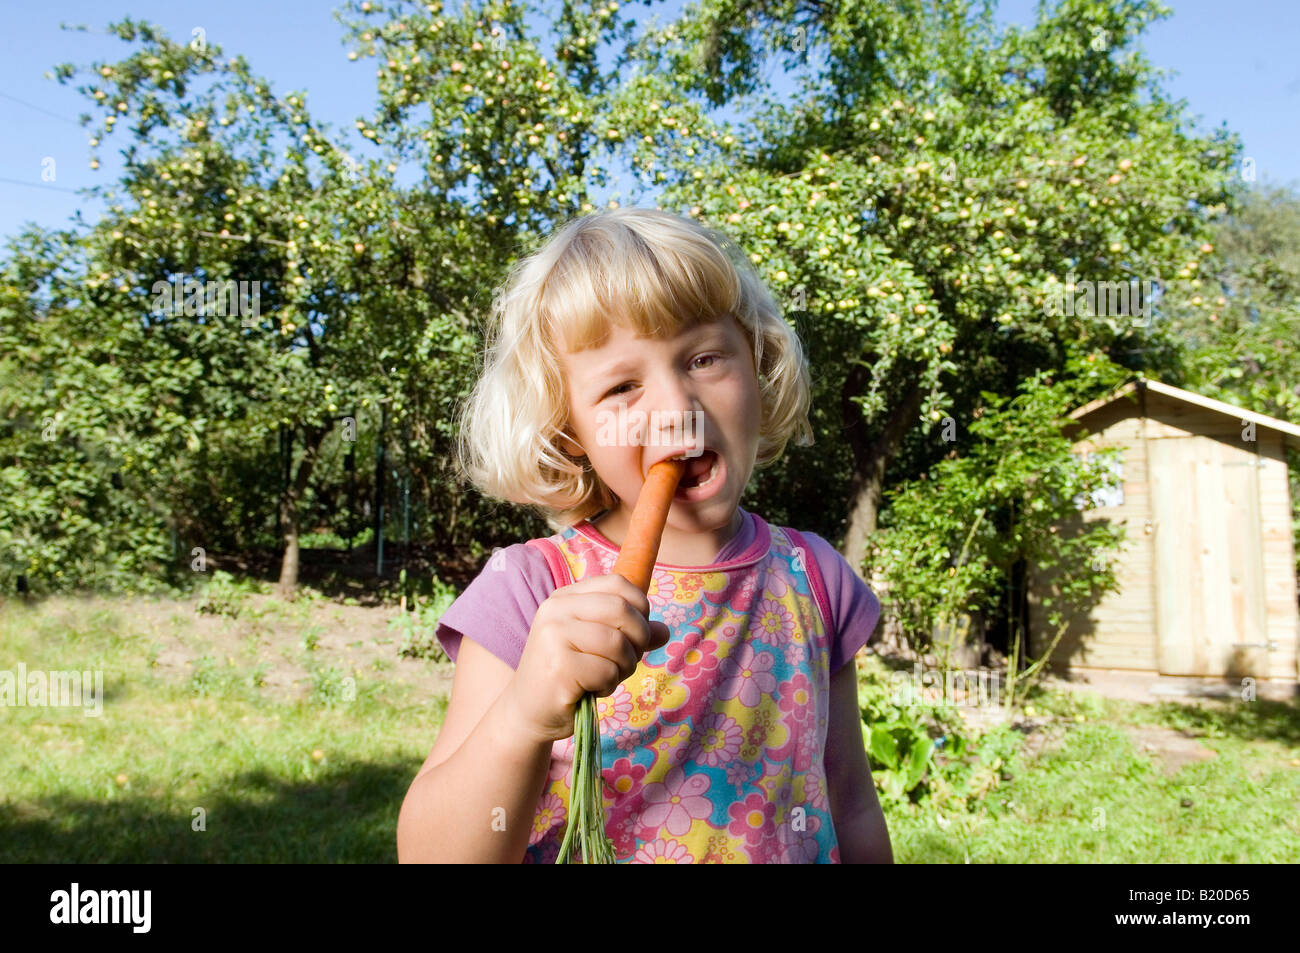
[713, 750]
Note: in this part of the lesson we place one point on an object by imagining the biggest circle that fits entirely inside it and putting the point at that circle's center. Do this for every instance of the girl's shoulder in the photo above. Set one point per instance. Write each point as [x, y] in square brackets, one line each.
[497, 607]
[853, 609]
[515, 565]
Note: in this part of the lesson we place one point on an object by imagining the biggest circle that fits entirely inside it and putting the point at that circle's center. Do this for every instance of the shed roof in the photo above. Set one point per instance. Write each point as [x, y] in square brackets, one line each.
[1289, 432]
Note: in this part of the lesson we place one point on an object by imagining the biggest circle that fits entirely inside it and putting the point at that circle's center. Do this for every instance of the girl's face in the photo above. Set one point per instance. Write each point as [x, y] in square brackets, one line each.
[634, 401]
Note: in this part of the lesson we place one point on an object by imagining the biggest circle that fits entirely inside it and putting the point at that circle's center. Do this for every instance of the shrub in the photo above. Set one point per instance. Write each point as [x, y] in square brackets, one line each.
[949, 542]
[901, 738]
[419, 625]
[223, 594]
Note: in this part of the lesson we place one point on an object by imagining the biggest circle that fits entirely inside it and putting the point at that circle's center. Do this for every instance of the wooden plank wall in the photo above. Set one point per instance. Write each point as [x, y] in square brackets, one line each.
[1174, 418]
[1209, 557]
[1120, 632]
[1280, 597]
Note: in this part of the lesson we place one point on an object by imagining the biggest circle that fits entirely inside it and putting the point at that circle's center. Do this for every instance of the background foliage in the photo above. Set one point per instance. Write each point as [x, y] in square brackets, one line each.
[913, 207]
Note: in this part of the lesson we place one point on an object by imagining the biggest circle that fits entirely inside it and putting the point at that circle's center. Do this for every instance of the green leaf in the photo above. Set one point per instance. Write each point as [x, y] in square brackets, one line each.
[918, 759]
[883, 747]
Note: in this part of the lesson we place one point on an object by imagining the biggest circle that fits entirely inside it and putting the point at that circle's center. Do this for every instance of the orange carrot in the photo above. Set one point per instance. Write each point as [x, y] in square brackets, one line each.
[636, 559]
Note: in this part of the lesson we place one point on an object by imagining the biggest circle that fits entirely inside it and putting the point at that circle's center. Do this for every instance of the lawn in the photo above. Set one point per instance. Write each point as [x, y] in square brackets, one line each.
[263, 731]
[222, 739]
[1078, 778]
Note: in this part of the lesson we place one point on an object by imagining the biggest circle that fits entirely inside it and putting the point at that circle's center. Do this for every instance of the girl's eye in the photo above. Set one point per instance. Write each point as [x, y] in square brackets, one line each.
[629, 384]
[705, 357]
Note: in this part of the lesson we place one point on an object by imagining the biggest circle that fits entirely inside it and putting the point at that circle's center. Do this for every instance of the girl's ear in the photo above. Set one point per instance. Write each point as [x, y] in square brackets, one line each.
[570, 447]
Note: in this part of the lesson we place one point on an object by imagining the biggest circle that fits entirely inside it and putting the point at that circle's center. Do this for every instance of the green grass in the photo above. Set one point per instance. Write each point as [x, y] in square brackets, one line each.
[124, 787]
[1094, 798]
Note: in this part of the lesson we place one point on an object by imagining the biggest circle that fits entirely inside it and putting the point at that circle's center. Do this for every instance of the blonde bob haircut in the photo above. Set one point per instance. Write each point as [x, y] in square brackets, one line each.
[655, 273]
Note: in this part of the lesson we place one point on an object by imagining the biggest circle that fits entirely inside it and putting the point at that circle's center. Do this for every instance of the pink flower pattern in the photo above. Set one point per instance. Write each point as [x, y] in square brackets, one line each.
[689, 586]
[674, 615]
[739, 772]
[662, 851]
[775, 580]
[806, 751]
[772, 623]
[746, 675]
[799, 846]
[550, 813]
[814, 789]
[624, 777]
[676, 802]
[629, 739]
[662, 586]
[711, 610]
[719, 740]
[751, 819]
[744, 596]
[693, 656]
[623, 833]
[614, 710]
[797, 699]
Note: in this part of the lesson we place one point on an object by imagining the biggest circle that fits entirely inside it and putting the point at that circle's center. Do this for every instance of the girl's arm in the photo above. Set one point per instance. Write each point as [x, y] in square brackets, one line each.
[859, 821]
[484, 759]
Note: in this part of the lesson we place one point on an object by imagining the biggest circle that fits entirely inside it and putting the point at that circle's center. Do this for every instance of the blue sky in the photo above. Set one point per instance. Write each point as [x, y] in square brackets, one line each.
[1234, 63]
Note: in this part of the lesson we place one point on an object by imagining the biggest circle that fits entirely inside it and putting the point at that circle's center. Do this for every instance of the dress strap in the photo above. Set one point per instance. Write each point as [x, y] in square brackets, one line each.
[805, 560]
[559, 567]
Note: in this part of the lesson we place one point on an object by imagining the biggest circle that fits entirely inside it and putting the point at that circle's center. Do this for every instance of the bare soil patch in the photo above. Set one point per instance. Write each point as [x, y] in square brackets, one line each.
[1173, 748]
[286, 639]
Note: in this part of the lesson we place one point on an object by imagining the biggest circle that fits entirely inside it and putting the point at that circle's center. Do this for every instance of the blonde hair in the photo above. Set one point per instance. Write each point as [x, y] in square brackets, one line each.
[649, 270]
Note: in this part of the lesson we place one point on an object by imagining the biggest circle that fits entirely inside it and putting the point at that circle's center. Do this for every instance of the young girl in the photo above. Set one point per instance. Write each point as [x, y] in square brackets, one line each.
[727, 697]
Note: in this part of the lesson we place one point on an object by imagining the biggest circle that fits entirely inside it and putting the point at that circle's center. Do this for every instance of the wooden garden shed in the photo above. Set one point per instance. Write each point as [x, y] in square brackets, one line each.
[1208, 571]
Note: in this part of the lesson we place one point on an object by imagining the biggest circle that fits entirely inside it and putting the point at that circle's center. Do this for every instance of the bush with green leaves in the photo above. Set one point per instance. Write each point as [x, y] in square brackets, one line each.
[901, 735]
[331, 687]
[223, 594]
[1012, 492]
[210, 677]
[418, 625]
[911, 235]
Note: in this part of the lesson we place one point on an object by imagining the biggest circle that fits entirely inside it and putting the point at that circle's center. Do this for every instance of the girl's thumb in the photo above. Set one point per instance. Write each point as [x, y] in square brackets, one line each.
[659, 635]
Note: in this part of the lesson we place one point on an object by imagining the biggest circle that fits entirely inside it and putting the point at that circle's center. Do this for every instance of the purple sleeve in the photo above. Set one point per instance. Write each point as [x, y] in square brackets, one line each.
[854, 608]
[496, 610]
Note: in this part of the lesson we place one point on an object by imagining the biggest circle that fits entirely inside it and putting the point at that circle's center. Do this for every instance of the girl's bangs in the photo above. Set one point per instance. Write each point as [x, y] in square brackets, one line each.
[615, 276]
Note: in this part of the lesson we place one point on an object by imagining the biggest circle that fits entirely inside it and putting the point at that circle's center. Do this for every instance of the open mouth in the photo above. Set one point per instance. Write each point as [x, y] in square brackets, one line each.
[701, 473]
[700, 470]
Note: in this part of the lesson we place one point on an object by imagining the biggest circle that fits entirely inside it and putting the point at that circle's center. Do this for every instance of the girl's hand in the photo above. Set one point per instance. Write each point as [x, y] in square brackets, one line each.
[587, 637]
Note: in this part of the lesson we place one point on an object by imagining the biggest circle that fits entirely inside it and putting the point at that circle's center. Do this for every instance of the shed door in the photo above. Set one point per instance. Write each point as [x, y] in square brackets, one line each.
[1209, 559]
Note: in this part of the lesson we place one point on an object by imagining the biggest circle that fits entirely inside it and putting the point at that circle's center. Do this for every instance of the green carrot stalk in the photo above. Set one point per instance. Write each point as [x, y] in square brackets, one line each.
[586, 799]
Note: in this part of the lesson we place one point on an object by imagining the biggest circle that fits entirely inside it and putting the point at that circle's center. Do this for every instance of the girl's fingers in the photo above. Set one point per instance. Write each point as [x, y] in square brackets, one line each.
[610, 644]
[612, 584]
[597, 674]
[660, 634]
[613, 611]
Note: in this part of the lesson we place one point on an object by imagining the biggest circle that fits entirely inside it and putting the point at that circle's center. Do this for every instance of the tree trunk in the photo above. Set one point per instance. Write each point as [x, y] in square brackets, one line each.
[289, 501]
[871, 458]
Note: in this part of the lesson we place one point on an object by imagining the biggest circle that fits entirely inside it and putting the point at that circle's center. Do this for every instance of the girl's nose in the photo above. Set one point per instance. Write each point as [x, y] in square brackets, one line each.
[674, 393]
[679, 410]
